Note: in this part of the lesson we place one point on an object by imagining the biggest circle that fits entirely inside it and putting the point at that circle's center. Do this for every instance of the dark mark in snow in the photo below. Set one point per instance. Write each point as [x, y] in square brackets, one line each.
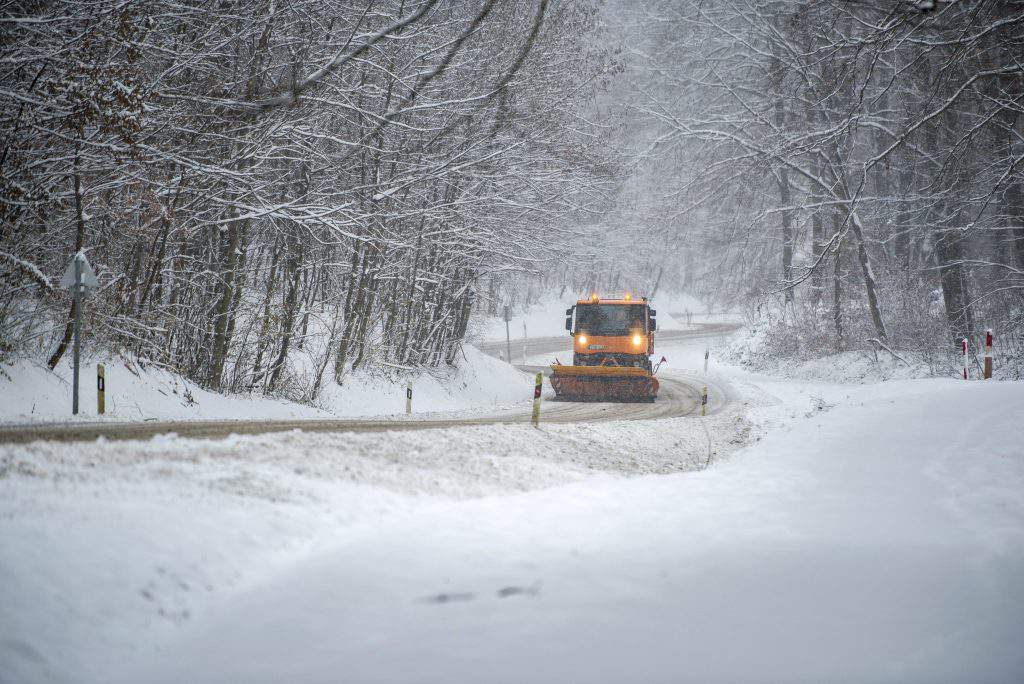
[450, 598]
[22, 650]
[505, 592]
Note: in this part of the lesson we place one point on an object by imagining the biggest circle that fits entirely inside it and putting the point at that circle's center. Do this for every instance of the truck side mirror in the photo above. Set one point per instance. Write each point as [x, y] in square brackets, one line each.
[654, 324]
[568, 312]
[568, 323]
[652, 313]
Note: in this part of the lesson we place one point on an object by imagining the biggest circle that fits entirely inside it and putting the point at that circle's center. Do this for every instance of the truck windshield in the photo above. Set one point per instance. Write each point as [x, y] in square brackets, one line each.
[609, 319]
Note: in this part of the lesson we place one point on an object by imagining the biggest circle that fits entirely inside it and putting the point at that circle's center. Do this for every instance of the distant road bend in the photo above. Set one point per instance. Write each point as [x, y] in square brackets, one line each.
[678, 396]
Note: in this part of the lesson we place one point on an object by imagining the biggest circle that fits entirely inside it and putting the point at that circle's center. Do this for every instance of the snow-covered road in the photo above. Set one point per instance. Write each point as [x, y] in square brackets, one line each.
[879, 541]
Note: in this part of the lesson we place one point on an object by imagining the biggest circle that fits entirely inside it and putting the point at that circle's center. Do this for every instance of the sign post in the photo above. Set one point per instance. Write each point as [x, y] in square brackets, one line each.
[536, 400]
[408, 398]
[524, 343]
[78, 276]
[508, 335]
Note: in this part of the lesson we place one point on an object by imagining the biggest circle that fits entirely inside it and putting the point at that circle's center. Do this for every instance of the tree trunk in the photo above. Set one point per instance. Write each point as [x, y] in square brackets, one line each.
[870, 287]
[69, 328]
[837, 287]
[949, 253]
[817, 249]
[223, 311]
[263, 338]
[290, 309]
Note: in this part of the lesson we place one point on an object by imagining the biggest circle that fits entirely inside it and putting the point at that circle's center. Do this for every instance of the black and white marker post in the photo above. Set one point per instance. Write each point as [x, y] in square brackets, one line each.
[101, 389]
[538, 384]
[704, 392]
[704, 406]
[78, 276]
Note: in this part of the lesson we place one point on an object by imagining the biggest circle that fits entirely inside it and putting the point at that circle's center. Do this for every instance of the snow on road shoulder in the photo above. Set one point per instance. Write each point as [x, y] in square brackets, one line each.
[31, 393]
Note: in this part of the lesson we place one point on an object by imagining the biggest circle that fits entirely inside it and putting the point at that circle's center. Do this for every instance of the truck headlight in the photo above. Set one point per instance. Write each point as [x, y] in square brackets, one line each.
[582, 339]
[637, 340]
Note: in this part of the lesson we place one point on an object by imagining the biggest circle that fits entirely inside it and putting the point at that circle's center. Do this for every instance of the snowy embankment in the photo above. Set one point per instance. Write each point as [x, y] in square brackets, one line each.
[30, 392]
[755, 349]
[783, 352]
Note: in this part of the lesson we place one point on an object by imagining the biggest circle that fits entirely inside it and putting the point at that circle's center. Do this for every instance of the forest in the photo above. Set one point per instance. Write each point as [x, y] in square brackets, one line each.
[850, 173]
[358, 180]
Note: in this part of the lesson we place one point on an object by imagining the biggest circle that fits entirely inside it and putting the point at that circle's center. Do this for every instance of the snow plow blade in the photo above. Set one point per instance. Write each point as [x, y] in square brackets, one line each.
[603, 383]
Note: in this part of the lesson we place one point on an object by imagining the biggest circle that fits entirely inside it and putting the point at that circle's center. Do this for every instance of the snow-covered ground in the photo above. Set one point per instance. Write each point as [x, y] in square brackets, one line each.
[882, 540]
[866, 533]
[759, 348]
[30, 393]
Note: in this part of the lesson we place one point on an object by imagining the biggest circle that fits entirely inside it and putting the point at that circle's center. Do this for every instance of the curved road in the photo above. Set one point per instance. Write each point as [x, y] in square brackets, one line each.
[679, 396]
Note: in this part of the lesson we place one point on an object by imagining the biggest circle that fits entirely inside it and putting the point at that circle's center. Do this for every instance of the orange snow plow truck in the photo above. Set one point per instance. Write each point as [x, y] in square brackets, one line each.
[613, 340]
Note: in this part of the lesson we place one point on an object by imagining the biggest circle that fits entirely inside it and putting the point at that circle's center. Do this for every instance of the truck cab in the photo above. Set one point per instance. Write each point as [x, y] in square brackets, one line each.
[612, 332]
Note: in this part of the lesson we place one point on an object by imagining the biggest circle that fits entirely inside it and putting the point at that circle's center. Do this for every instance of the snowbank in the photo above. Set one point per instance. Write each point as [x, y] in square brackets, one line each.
[29, 392]
[754, 348]
[479, 381]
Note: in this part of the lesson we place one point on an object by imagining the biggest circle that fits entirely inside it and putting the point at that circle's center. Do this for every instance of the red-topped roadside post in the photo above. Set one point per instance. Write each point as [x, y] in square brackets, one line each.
[963, 346]
[988, 354]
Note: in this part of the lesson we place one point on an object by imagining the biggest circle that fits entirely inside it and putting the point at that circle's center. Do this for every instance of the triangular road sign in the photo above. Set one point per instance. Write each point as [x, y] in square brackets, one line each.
[89, 278]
